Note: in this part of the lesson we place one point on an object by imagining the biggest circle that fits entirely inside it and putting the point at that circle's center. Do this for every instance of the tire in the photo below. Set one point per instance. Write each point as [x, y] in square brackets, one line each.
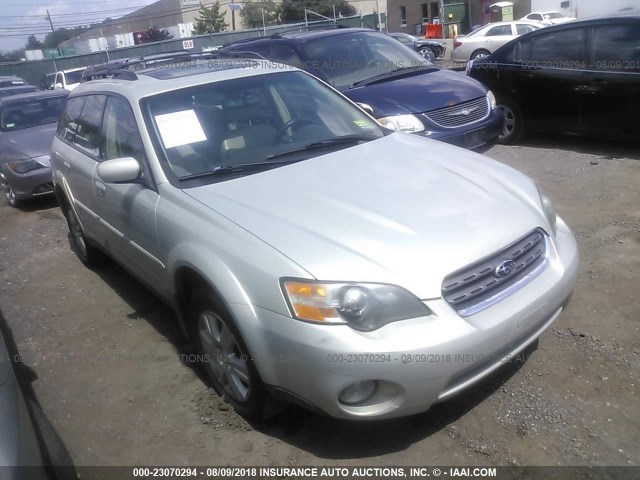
[427, 54]
[480, 53]
[513, 128]
[89, 255]
[228, 364]
[10, 195]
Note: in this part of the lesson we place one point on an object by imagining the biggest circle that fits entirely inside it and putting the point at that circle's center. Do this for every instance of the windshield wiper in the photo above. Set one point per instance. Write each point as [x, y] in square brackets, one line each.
[393, 73]
[240, 167]
[331, 142]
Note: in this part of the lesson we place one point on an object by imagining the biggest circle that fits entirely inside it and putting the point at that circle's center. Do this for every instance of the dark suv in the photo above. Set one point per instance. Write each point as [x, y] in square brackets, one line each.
[396, 85]
[581, 78]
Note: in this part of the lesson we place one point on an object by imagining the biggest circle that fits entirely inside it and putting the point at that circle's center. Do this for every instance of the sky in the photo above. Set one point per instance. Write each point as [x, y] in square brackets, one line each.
[21, 18]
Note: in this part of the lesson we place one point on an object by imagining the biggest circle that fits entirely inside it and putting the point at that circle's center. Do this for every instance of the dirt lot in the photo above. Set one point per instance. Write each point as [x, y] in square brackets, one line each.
[114, 379]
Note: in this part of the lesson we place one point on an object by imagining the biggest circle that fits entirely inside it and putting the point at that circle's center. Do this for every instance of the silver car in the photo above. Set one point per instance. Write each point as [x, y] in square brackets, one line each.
[489, 38]
[310, 253]
[27, 126]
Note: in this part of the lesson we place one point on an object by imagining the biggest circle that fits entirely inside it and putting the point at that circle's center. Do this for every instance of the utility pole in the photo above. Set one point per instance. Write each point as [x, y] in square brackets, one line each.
[53, 30]
[379, 18]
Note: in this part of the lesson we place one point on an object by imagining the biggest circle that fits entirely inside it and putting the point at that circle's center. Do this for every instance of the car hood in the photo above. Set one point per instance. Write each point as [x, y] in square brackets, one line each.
[417, 93]
[26, 143]
[402, 209]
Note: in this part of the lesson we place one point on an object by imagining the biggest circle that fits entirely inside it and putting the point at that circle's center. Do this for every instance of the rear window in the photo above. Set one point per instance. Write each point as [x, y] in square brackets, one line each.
[31, 113]
[617, 48]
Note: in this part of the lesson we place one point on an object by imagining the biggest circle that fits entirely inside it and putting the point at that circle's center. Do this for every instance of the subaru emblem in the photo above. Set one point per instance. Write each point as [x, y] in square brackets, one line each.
[505, 268]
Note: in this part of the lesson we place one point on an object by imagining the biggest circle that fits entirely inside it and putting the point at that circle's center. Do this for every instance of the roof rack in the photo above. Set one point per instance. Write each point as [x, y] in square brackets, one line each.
[125, 68]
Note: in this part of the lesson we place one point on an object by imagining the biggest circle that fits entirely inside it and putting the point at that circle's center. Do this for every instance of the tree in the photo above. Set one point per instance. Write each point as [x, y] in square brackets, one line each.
[293, 10]
[154, 34]
[252, 13]
[33, 43]
[53, 39]
[211, 20]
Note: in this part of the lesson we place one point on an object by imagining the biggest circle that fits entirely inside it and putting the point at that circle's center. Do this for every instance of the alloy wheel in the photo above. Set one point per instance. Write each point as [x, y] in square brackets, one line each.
[509, 124]
[224, 356]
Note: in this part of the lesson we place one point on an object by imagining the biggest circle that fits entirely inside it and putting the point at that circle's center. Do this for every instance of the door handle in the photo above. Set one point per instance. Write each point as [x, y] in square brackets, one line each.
[67, 166]
[101, 189]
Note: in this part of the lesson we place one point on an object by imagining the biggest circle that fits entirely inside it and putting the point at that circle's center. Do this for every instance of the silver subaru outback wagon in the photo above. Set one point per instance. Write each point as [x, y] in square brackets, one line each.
[311, 254]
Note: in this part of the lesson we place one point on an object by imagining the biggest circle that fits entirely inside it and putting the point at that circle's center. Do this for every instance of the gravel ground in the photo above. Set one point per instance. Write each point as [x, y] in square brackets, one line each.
[112, 372]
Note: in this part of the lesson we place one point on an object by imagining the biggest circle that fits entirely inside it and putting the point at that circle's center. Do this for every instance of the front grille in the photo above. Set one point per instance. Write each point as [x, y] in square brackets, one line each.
[461, 114]
[482, 284]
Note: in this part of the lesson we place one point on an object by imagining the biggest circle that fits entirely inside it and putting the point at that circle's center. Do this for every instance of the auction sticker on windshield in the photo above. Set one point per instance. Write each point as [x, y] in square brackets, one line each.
[180, 128]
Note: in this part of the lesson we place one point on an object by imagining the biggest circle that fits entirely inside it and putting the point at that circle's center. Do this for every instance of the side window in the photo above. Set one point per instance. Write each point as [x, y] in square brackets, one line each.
[616, 48]
[499, 30]
[120, 135]
[403, 39]
[536, 17]
[561, 49]
[285, 54]
[89, 123]
[58, 79]
[69, 120]
[522, 28]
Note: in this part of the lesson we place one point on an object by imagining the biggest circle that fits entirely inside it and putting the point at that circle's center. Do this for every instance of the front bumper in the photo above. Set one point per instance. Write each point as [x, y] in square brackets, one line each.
[416, 362]
[28, 185]
[476, 136]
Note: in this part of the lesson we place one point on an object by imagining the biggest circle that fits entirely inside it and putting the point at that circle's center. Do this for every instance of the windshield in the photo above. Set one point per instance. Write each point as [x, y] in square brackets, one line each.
[73, 77]
[31, 113]
[346, 59]
[204, 130]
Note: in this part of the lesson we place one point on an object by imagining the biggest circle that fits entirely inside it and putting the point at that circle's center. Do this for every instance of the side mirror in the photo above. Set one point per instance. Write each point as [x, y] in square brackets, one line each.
[119, 170]
[366, 108]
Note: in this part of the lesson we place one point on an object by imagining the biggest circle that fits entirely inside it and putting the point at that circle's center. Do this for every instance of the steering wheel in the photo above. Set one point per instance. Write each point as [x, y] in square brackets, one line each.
[293, 123]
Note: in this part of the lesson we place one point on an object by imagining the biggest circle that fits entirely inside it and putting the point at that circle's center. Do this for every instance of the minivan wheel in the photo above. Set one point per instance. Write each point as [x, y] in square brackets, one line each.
[513, 128]
[89, 255]
[225, 356]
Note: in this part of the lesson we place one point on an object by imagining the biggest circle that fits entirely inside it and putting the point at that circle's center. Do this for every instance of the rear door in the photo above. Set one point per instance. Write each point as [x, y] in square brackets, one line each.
[551, 68]
[612, 84]
[75, 154]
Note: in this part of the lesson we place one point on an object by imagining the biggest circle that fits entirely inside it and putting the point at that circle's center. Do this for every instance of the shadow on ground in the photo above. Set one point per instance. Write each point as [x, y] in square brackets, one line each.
[608, 149]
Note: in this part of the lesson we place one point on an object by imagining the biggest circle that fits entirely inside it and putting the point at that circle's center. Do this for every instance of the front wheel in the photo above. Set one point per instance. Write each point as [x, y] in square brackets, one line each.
[10, 195]
[226, 358]
[427, 54]
[513, 127]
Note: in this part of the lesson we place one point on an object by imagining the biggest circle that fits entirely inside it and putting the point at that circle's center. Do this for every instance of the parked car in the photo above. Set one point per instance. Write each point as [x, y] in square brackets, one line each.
[397, 86]
[11, 81]
[68, 79]
[579, 78]
[27, 126]
[9, 91]
[311, 253]
[20, 453]
[488, 39]
[421, 45]
[551, 17]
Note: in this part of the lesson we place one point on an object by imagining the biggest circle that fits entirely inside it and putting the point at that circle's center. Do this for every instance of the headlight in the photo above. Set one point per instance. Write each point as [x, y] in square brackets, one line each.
[25, 166]
[492, 100]
[549, 210]
[403, 123]
[363, 306]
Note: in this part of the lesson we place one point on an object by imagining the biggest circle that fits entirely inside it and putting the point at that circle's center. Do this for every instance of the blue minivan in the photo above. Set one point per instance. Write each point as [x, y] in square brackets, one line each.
[393, 83]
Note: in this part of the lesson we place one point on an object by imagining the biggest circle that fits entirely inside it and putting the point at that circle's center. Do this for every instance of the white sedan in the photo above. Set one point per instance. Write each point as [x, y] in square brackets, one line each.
[485, 40]
[547, 18]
